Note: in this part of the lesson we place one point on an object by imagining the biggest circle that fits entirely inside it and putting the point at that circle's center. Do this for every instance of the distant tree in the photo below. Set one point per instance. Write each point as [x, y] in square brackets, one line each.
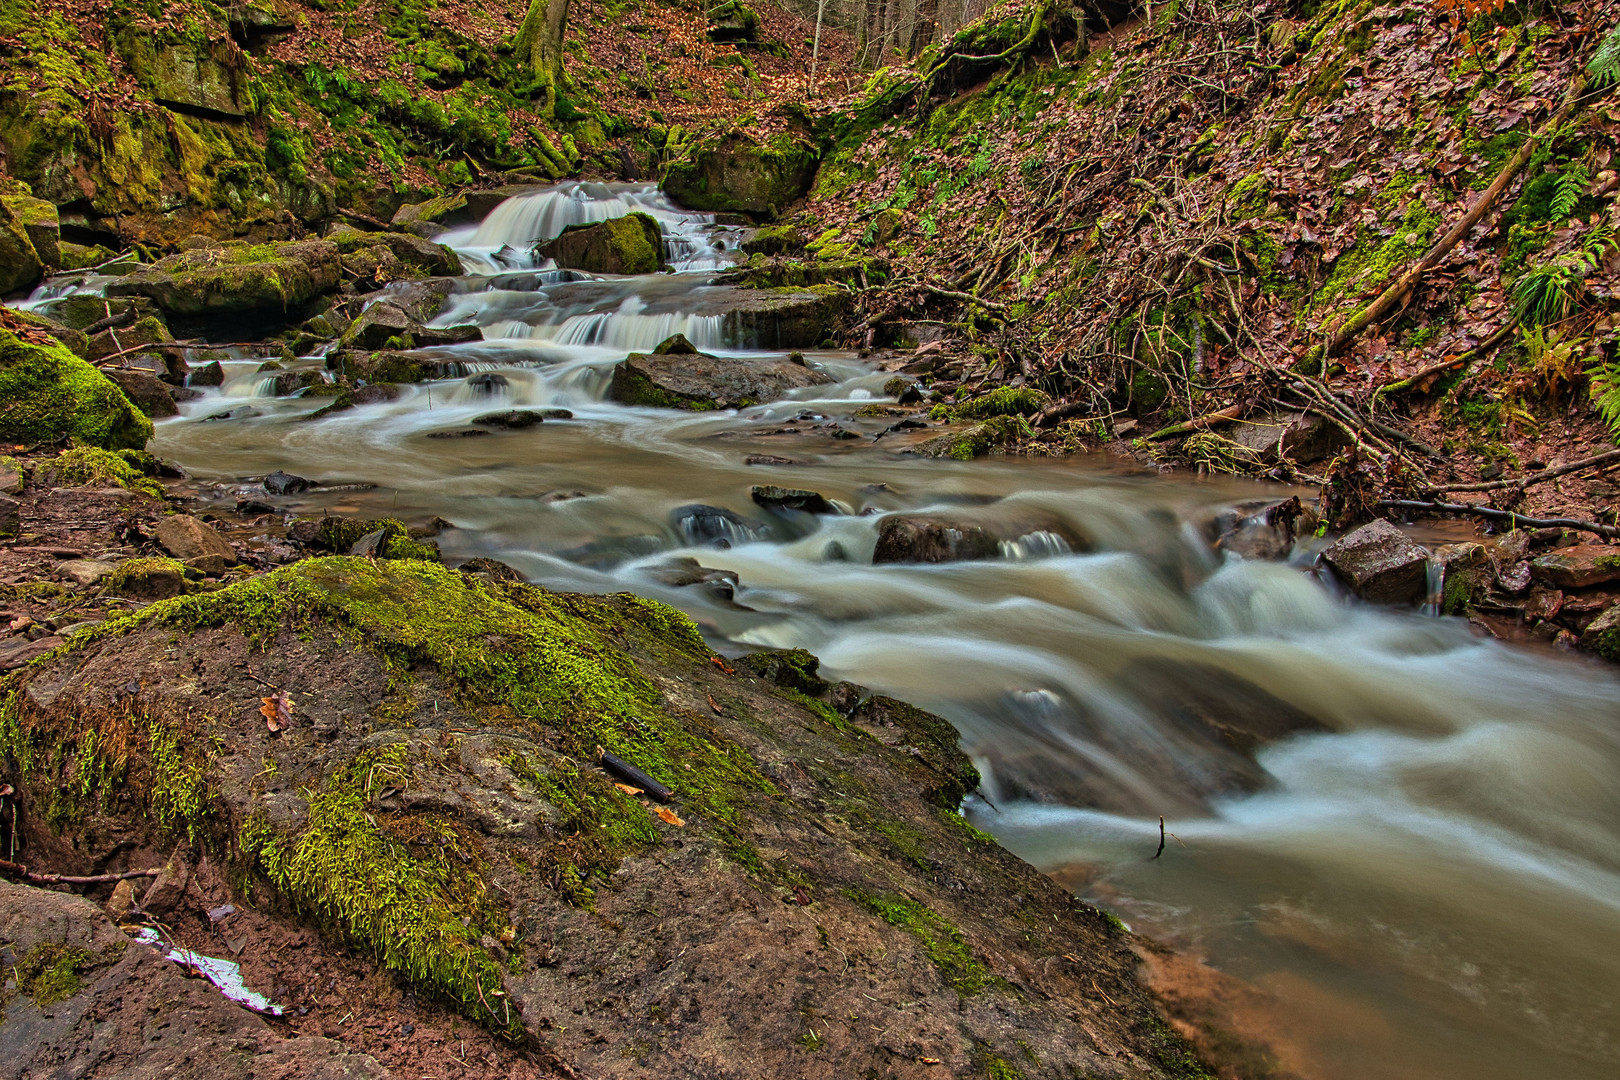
[539, 46]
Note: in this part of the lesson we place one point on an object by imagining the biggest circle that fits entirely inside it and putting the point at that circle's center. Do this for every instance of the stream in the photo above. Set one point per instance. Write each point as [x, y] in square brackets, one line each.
[1426, 887]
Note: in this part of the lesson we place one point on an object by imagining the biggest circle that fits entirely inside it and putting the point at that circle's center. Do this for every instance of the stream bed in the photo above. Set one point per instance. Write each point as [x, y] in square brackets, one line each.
[1426, 885]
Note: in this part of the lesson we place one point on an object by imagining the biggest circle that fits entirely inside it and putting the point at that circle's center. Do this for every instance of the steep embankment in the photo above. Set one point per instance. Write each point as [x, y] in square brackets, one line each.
[1181, 219]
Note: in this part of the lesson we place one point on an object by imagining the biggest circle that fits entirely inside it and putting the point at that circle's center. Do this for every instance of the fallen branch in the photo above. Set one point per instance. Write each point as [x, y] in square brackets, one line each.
[966, 298]
[1208, 420]
[123, 318]
[1461, 358]
[1397, 292]
[1518, 521]
[21, 871]
[366, 219]
[1539, 478]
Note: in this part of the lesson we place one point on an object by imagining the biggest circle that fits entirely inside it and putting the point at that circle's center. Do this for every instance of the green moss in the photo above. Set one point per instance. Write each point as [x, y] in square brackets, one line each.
[943, 943]
[998, 1068]
[996, 433]
[178, 794]
[48, 395]
[1003, 401]
[1148, 390]
[50, 972]
[1373, 261]
[89, 466]
[135, 570]
[633, 388]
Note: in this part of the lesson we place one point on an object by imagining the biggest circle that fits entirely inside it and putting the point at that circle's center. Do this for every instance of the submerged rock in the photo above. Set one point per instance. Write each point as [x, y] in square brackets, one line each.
[633, 244]
[48, 395]
[904, 538]
[386, 326]
[1380, 565]
[436, 805]
[811, 502]
[700, 381]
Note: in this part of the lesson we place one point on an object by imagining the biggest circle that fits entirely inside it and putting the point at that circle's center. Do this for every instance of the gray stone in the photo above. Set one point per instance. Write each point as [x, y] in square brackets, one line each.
[185, 537]
[1300, 437]
[701, 381]
[1380, 564]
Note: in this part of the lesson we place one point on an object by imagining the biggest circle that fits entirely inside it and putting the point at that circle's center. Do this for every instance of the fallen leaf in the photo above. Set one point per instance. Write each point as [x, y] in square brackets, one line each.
[721, 664]
[627, 789]
[715, 707]
[277, 711]
[668, 816]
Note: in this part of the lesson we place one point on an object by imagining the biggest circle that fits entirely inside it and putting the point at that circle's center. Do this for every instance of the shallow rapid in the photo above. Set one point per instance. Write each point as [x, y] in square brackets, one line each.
[1427, 885]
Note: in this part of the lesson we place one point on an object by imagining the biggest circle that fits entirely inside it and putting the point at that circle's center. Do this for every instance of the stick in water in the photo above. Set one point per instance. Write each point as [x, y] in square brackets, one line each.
[1156, 854]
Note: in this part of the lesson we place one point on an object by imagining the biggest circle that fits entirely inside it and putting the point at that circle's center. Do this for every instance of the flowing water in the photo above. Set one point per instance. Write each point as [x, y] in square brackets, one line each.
[1427, 885]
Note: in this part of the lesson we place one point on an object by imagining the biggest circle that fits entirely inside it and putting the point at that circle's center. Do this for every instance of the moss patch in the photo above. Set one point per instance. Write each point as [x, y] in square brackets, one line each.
[89, 466]
[48, 395]
[944, 944]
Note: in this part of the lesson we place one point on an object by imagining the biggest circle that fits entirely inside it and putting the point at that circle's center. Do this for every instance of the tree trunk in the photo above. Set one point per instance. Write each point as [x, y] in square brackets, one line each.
[539, 46]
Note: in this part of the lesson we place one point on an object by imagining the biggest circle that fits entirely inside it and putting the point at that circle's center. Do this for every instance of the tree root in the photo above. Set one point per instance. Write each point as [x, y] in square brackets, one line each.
[1518, 521]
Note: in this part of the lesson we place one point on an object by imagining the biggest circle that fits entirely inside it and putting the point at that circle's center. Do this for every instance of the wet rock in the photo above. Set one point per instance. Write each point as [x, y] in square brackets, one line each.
[370, 545]
[430, 218]
[373, 393]
[609, 552]
[701, 524]
[421, 300]
[285, 483]
[784, 318]
[10, 517]
[1578, 566]
[769, 459]
[384, 325]
[773, 497]
[146, 392]
[686, 571]
[700, 381]
[494, 569]
[1602, 634]
[1466, 576]
[122, 341]
[18, 651]
[734, 173]
[514, 420]
[126, 1012]
[633, 244]
[904, 390]
[911, 539]
[209, 374]
[676, 345]
[209, 565]
[40, 223]
[1380, 565]
[1514, 578]
[185, 537]
[1267, 532]
[270, 280]
[122, 901]
[1301, 437]
[376, 259]
[795, 669]
[48, 395]
[489, 384]
[459, 433]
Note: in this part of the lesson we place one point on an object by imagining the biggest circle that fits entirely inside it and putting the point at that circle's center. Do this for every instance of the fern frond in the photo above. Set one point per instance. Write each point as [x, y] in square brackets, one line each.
[1605, 390]
[1571, 186]
[1604, 67]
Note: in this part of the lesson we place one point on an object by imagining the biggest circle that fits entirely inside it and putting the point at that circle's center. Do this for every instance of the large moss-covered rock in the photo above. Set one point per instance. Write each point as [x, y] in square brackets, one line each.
[633, 244]
[19, 262]
[682, 380]
[187, 71]
[39, 220]
[433, 216]
[737, 174]
[218, 279]
[374, 259]
[434, 795]
[48, 395]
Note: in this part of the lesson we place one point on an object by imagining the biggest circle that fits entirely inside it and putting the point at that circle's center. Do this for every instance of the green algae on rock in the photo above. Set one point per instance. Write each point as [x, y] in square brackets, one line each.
[48, 395]
[735, 173]
[237, 278]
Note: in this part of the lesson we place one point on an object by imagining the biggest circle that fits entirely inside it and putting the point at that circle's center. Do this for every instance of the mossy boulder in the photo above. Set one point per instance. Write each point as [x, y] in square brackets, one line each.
[272, 281]
[48, 395]
[373, 259]
[39, 220]
[19, 261]
[185, 69]
[998, 434]
[734, 173]
[435, 797]
[732, 22]
[428, 219]
[632, 244]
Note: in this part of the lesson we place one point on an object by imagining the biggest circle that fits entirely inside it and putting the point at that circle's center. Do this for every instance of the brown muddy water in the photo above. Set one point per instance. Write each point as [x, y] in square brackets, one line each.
[1424, 887]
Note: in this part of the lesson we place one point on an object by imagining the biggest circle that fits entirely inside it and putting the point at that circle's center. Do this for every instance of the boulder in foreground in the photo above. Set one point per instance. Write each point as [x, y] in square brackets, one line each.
[214, 279]
[632, 244]
[48, 395]
[432, 796]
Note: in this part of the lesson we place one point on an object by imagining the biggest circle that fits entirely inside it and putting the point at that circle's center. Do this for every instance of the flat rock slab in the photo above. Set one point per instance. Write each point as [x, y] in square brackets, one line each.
[135, 1015]
[224, 278]
[1578, 566]
[701, 381]
[1380, 564]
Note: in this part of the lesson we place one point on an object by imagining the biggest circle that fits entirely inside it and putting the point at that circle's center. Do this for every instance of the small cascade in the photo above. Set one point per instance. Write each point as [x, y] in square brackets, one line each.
[630, 328]
[504, 241]
[1434, 594]
[1040, 544]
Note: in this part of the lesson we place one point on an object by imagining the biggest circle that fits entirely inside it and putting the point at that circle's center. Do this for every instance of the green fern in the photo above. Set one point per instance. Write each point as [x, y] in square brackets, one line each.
[1547, 293]
[1604, 67]
[1605, 390]
[1571, 186]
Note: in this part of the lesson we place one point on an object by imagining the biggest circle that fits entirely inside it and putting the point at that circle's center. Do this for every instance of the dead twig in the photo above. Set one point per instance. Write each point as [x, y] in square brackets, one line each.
[1539, 478]
[1518, 521]
[19, 870]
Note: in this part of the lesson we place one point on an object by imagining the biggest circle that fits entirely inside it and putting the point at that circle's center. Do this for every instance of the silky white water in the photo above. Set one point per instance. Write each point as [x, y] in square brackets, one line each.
[1426, 884]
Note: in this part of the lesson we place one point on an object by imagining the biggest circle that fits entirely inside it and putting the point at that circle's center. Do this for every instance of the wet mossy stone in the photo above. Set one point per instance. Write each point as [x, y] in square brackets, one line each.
[676, 346]
[632, 244]
[236, 278]
[48, 395]
[735, 173]
[187, 70]
[39, 221]
[19, 262]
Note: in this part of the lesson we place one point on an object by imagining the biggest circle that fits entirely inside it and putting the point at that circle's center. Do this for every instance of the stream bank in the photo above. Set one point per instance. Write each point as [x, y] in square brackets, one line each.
[1332, 771]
